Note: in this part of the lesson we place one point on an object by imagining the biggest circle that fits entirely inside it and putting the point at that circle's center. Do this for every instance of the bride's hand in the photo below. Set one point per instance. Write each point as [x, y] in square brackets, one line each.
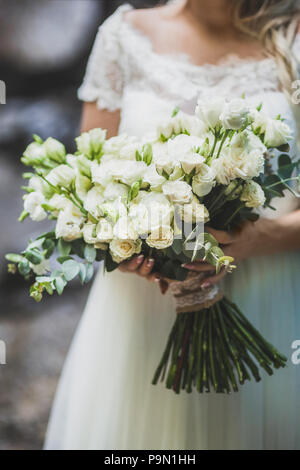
[250, 239]
[144, 267]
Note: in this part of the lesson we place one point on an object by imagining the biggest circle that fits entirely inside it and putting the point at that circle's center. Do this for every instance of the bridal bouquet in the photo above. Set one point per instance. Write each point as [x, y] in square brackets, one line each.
[115, 198]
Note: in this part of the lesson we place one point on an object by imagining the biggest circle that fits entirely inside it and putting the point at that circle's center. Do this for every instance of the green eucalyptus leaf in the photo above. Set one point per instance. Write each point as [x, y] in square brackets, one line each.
[90, 253]
[89, 273]
[34, 256]
[70, 269]
[64, 248]
[24, 267]
[59, 284]
[82, 272]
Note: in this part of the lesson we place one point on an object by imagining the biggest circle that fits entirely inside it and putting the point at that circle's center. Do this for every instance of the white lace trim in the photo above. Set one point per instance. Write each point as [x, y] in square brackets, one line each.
[123, 56]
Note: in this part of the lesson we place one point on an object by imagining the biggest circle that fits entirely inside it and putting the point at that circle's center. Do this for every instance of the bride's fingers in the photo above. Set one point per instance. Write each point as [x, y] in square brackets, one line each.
[223, 237]
[198, 267]
[132, 265]
[212, 280]
[146, 268]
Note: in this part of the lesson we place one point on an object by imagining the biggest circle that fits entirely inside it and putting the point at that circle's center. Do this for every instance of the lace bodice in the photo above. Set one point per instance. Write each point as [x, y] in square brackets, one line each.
[123, 58]
[124, 72]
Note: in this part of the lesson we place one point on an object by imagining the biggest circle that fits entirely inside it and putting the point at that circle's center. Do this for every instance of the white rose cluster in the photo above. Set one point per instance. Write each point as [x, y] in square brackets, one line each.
[123, 193]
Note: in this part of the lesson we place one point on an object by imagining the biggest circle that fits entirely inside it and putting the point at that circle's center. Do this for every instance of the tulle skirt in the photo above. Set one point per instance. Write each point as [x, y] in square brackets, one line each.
[105, 399]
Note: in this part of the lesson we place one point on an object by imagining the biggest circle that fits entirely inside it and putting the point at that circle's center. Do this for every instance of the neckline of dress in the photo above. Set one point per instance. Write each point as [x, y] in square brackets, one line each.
[228, 61]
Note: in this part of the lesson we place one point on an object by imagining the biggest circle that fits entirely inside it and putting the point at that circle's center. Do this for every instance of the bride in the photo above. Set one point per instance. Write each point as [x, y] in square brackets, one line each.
[145, 63]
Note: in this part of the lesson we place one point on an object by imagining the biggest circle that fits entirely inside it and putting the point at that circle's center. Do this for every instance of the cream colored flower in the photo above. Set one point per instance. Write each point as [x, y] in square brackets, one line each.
[122, 250]
[161, 237]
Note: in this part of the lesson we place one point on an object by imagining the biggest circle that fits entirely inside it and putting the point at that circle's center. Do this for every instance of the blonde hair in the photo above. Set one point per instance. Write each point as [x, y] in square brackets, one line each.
[274, 23]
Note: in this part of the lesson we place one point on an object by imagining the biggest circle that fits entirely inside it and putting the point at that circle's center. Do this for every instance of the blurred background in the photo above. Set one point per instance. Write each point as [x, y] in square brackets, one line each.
[44, 47]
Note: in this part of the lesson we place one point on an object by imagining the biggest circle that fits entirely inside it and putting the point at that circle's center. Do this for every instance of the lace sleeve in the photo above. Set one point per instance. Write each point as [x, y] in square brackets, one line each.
[104, 78]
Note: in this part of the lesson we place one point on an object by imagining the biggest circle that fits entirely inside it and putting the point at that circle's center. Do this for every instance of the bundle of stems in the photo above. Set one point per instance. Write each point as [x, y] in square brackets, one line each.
[215, 349]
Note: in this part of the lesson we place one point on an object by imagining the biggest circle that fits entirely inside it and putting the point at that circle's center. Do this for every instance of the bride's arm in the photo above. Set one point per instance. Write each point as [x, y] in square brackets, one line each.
[93, 117]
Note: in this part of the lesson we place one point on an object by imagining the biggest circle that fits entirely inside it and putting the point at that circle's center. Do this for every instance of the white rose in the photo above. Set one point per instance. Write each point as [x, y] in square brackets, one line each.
[183, 144]
[128, 152]
[115, 191]
[161, 158]
[124, 229]
[82, 185]
[146, 216]
[42, 268]
[128, 172]
[93, 200]
[33, 205]
[62, 175]
[277, 133]
[191, 162]
[259, 121]
[244, 142]
[194, 212]
[36, 183]
[34, 154]
[115, 145]
[231, 166]
[179, 124]
[59, 202]
[253, 195]
[153, 178]
[235, 114]
[177, 173]
[209, 110]
[161, 237]
[102, 174]
[68, 225]
[178, 191]
[113, 210]
[55, 150]
[88, 233]
[203, 181]
[104, 231]
[124, 249]
[98, 233]
[91, 143]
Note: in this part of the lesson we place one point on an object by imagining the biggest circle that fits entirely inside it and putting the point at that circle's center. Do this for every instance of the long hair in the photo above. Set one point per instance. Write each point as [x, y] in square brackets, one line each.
[274, 23]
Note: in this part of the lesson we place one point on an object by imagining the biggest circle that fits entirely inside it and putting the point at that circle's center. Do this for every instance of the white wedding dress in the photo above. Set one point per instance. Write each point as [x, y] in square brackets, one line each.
[105, 399]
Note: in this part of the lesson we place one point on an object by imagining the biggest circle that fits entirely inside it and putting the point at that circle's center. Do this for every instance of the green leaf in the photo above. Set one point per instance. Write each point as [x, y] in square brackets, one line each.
[49, 247]
[78, 247]
[24, 267]
[89, 273]
[175, 112]
[37, 139]
[34, 256]
[14, 258]
[82, 273]
[64, 248]
[148, 154]
[70, 269]
[90, 253]
[23, 216]
[177, 246]
[59, 284]
[62, 259]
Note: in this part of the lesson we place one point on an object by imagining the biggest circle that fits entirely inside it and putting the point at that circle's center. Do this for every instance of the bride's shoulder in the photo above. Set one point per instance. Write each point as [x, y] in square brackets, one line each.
[147, 20]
